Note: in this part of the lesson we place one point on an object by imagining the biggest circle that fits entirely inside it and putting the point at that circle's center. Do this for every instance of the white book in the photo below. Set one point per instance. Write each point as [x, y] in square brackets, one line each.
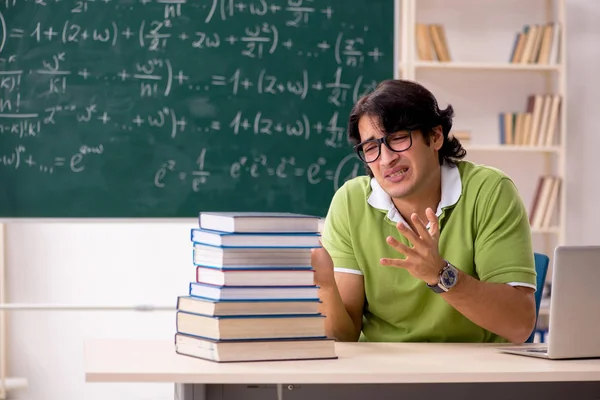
[251, 257]
[270, 222]
[255, 277]
[240, 327]
[198, 305]
[255, 350]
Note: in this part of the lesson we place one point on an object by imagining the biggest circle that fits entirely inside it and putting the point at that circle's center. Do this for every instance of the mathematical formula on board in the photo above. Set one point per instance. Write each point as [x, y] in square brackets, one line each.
[261, 166]
[166, 73]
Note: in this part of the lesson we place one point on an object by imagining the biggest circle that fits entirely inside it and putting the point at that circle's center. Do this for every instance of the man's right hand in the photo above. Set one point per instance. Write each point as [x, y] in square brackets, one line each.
[342, 300]
[323, 265]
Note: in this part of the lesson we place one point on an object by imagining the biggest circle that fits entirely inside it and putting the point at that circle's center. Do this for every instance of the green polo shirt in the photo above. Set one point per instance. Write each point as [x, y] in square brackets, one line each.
[484, 231]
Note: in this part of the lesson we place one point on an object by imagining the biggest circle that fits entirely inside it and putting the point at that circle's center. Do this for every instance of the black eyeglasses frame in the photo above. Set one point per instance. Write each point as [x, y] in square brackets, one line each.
[379, 141]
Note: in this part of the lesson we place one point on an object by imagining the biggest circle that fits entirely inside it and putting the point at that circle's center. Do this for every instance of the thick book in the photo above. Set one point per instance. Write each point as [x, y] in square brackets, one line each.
[250, 326]
[244, 257]
[255, 350]
[229, 239]
[257, 222]
[255, 277]
[198, 305]
[224, 293]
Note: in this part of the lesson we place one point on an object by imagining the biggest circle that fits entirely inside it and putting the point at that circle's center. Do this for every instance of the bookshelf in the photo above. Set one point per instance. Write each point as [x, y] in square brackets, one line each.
[414, 63]
[491, 58]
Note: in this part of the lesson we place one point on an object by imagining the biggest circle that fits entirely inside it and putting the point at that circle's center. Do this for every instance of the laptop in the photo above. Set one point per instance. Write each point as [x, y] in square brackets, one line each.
[574, 326]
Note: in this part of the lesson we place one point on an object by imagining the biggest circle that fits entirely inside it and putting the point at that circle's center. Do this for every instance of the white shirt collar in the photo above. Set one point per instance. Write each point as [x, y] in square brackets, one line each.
[451, 191]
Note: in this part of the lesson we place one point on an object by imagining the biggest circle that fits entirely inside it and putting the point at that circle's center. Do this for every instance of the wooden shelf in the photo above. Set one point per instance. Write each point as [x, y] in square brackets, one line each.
[486, 66]
[513, 148]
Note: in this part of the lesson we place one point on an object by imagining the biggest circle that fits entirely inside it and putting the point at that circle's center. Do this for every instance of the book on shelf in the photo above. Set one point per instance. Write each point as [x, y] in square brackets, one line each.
[270, 222]
[253, 295]
[537, 44]
[545, 200]
[432, 44]
[537, 125]
[464, 137]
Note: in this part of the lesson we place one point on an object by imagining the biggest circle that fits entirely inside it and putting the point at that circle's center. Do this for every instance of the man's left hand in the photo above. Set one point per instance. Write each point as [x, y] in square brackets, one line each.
[423, 260]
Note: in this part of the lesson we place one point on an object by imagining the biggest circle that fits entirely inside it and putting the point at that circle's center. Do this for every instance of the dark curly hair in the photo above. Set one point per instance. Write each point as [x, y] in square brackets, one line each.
[400, 105]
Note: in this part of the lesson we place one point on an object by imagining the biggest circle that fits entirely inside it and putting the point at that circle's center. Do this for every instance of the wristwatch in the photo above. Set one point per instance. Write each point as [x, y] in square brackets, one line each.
[447, 280]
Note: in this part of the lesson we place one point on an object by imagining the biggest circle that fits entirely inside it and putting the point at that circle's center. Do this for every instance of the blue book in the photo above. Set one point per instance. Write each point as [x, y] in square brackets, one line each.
[501, 128]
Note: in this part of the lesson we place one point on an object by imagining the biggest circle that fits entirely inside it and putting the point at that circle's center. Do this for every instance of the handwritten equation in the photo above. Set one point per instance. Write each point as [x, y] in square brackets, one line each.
[255, 41]
[160, 85]
[285, 167]
[20, 158]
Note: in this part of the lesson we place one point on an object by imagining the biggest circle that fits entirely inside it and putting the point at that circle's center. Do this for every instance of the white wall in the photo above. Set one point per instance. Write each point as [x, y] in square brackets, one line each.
[97, 264]
[151, 263]
[584, 105]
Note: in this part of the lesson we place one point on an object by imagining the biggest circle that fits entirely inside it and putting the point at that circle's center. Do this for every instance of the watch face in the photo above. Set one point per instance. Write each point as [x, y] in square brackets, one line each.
[449, 277]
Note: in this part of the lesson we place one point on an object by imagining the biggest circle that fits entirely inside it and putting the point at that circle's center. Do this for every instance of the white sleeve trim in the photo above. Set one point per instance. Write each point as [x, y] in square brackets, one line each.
[347, 271]
[529, 285]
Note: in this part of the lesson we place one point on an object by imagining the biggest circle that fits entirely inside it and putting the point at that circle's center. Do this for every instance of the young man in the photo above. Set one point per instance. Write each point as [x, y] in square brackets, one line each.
[427, 247]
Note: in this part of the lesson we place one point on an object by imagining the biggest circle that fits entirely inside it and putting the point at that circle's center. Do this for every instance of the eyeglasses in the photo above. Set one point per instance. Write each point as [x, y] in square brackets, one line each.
[370, 150]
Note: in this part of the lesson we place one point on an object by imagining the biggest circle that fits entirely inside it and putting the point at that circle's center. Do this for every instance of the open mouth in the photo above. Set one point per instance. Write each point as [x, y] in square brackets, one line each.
[398, 173]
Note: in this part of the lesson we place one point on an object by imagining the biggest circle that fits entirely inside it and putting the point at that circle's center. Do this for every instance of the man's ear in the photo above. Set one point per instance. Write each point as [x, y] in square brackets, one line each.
[438, 137]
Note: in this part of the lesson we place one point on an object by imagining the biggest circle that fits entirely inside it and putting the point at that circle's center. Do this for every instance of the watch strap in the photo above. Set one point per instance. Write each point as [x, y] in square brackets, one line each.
[438, 288]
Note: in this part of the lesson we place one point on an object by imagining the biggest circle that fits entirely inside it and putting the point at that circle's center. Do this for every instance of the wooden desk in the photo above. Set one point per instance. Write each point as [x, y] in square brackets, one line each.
[452, 370]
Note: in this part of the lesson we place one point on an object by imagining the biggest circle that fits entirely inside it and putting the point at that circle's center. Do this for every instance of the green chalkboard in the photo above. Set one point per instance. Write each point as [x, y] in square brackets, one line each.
[164, 108]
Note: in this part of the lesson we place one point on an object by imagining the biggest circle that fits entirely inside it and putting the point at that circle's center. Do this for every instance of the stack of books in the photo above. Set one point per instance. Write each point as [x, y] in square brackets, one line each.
[253, 297]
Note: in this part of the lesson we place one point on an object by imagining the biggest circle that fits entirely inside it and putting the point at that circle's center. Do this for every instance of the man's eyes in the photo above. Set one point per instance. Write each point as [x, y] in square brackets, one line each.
[399, 138]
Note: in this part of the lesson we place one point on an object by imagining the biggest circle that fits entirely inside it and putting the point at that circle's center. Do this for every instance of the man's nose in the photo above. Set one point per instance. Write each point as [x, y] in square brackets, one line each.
[387, 156]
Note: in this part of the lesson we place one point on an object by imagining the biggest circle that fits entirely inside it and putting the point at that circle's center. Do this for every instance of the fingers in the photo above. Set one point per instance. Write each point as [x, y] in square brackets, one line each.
[401, 247]
[408, 233]
[420, 227]
[393, 262]
[434, 225]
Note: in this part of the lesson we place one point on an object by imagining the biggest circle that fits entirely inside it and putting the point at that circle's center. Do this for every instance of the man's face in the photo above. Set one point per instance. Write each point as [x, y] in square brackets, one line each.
[406, 173]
